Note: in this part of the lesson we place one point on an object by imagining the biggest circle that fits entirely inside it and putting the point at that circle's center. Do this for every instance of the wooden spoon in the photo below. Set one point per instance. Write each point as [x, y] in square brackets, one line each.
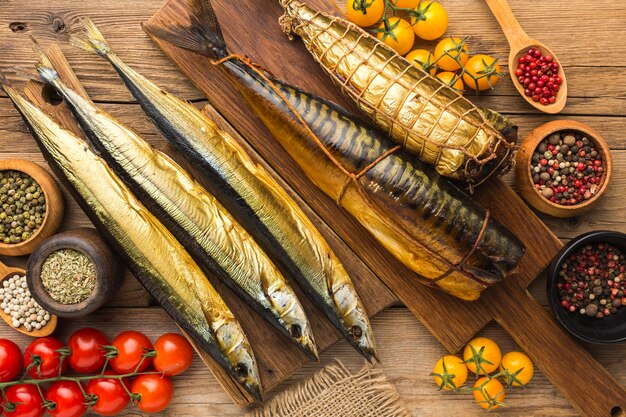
[519, 42]
[7, 272]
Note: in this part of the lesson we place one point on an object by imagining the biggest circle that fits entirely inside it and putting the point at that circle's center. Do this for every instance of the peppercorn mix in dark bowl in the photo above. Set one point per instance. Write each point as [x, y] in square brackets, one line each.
[587, 287]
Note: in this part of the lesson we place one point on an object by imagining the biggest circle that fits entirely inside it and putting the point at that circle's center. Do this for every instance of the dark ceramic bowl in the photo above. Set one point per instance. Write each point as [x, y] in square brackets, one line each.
[606, 330]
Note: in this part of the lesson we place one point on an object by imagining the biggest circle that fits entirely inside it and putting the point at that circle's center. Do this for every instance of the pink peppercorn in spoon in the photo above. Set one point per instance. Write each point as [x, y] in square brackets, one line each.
[547, 95]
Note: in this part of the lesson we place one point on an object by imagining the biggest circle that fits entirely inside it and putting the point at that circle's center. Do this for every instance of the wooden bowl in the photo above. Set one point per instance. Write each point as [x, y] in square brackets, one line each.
[55, 206]
[48, 329]
[525, 181]
[91, 244]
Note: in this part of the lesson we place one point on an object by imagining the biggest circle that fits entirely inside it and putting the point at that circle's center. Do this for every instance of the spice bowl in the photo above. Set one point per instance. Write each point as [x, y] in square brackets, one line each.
[524, 162]
[74, 273]
[609, 329]
[6, 272]
[54, 203]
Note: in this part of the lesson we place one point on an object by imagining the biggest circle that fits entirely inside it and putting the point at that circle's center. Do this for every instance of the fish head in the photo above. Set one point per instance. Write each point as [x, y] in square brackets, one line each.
[239, 357]
[285, 305]
[354, 320]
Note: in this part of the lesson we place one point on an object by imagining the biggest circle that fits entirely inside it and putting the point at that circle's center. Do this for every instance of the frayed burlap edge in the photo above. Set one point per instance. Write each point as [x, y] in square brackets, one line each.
[370, 382]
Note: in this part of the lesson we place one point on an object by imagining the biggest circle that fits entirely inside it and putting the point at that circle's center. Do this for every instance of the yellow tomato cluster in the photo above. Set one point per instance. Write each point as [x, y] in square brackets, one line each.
[482, 356]
[450, 61]
[456, 68]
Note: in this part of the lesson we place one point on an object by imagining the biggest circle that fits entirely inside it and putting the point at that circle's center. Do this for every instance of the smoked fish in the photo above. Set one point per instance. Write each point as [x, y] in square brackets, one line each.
[423, 219]
[151, 252]
[252, 196]
[193, 215]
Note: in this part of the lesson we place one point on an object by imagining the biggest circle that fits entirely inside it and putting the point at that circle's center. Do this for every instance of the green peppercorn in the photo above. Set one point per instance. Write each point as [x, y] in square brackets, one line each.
[22, 207]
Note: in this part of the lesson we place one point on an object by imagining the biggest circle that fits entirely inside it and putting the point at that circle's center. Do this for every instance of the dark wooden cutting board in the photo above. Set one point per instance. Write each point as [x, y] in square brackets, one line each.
[453, 322]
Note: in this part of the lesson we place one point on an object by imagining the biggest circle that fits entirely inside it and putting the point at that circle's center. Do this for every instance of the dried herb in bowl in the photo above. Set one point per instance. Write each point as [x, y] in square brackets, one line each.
[68, 276]
[22, 207]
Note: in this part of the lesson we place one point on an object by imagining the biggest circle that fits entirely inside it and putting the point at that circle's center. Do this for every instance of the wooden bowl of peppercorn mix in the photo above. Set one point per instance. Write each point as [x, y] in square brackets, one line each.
[563, 167]
[39, 198]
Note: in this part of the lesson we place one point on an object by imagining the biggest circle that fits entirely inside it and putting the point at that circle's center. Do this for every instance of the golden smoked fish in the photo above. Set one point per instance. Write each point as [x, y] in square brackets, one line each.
[423, 219]
[194, 216]
[418, 111]
[253, 197]
[151, 252]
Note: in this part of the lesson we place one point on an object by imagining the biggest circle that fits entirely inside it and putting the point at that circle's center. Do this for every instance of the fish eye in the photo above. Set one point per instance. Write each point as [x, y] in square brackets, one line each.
[241, 370]
[296, 331]
[356, 332]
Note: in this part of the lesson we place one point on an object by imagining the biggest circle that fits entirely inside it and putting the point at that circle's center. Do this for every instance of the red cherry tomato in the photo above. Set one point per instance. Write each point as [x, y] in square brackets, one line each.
[10, 360]
[110, 395]
[173, 354]
[47, 350]
[87, 355]
[26, 400]
[68, 399]
[156, 392]
[131, 346]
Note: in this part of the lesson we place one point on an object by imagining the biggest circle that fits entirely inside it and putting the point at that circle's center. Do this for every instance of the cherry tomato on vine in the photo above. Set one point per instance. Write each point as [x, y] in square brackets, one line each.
[10, 360]
[489, 393]
[423, 59]
[174, 354]
[482, 72]
[110, 395]
[432, 22]
[447, 51]
[46, 349]
[399, 35]
[87, 353]
[452, 79]
[68, 399]
[23, 401]
[131, 346]
[364, 13]
[155, 391]
[482, 355]
[450, 373]
[520, 368]
[406, 4]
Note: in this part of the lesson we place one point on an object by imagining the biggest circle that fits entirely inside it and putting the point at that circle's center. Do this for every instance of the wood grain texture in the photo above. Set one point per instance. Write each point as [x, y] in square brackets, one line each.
[455, 324]
[408, 350]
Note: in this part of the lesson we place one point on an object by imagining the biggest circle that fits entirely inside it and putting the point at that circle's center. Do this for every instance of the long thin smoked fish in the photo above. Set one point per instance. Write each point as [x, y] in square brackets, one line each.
[154, 256]
[194, 216]
[420, 217]
[418, 111]
[254, 198]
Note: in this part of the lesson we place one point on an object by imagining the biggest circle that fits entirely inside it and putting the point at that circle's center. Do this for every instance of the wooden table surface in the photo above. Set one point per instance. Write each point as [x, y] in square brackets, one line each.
[588, 38]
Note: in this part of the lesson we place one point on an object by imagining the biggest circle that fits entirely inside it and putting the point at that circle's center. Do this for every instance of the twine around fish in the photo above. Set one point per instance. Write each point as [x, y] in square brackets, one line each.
[353, 177]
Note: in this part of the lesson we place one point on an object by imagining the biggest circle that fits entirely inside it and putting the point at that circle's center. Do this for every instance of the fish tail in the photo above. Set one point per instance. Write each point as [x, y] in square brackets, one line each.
[91, 40]
[203, 35]
[45, 68]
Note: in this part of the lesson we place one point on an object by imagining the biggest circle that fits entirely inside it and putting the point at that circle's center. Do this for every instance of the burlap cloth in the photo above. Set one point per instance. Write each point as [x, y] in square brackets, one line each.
[335, 392]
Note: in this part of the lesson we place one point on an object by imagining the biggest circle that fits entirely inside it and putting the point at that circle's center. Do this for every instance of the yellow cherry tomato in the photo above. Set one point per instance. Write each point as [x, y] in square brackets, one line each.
[482, 356]
[365, 13]
[447, 51]
[450, 373]
[423, 59]
[519, 367]
[489, 393]
[405, 4]
[481, 72]
[452, 79]
[432, 21]
[400, 36]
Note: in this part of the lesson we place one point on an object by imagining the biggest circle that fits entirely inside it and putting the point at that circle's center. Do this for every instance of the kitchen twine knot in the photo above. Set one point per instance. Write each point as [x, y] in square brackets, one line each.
[352, 177]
